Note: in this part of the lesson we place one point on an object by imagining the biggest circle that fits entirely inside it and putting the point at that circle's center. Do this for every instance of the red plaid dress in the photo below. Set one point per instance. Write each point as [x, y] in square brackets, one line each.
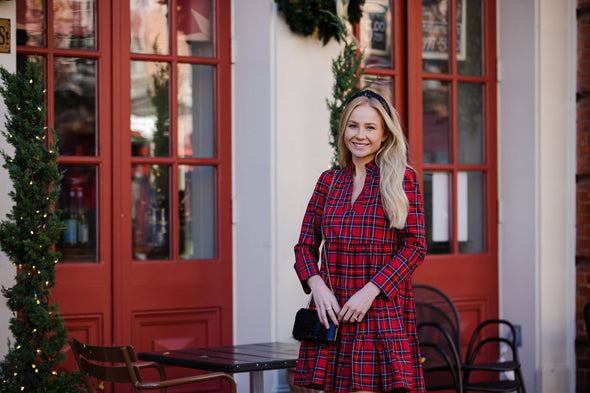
[381, 352]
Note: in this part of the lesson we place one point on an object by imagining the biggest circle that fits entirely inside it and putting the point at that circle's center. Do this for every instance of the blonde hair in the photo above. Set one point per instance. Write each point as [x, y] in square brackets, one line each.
[390, 158]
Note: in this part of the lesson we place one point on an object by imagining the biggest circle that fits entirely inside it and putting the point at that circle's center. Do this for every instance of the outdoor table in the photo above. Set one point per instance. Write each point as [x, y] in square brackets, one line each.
[253, 358]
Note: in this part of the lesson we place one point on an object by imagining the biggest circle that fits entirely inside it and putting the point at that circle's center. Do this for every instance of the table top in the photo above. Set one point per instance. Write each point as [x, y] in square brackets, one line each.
[230, 359]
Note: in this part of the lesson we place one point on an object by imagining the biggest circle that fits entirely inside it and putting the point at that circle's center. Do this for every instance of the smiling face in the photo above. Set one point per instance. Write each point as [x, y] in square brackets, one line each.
[364, 134]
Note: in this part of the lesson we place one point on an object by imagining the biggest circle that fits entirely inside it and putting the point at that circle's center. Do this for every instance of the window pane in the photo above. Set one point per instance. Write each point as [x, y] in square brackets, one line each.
[471, 213]
[149, 26]
[380, 84]
[30, 23]
[196, 111]
[437, 208]
[436, 121]
[75, 105]
[436, 16]
[470, 33]
[150, 212]
[471, 129]
[196, 28]
[375, 33]
[197, 196]
[77, 202]
[150, 109]
[74, 24]
[23, 59]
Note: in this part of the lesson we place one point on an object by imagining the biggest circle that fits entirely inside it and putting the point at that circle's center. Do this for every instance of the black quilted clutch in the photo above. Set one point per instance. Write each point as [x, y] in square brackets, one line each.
[308, 328]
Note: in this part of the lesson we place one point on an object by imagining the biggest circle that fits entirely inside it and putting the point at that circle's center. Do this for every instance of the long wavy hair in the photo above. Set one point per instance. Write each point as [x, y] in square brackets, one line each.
[391, 158]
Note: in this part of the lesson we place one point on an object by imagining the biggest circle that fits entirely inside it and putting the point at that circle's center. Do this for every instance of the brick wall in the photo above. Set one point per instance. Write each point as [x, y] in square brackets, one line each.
[583, 197]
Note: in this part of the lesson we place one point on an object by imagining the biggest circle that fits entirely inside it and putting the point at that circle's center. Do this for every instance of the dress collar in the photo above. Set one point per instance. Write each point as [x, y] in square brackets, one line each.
[370, 167]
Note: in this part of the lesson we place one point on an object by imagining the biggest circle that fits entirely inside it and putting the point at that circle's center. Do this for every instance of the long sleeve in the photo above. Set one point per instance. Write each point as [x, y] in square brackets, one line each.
[411, 242]
[310, 238]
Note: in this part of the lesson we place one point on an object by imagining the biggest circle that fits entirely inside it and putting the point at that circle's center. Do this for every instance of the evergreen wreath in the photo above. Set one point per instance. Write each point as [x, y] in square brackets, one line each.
[309, 16]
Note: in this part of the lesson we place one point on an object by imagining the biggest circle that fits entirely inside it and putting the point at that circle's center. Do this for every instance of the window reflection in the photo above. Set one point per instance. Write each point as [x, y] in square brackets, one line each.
[470, 101]
[150, 109]
[79, 239]
[196, 111]
[149, 26]
[196, 28]
[73, 24]
[471, 213]
[150, 212]
[471, 63]
[30, 23]
[197, 207]
[375, 33]
[75, 105]
[436, 121]
[380, 84]
[437, 208]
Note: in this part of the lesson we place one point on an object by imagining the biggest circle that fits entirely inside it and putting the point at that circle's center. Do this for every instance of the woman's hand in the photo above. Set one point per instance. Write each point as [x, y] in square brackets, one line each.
[357, 306]
[325, 302]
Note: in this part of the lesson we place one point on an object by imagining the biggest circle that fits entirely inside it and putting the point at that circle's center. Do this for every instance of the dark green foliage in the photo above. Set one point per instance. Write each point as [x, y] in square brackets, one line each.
[308, 16]
[347, 69]
[28, 236]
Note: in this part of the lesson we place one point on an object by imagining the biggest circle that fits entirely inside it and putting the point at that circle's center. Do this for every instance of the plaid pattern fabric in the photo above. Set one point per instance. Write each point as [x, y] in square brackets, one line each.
[381, 352]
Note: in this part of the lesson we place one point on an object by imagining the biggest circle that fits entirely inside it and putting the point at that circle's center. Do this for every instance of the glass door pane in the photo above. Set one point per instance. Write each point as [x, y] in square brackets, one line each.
[30, 23]
[197, 212]
[437, 211]
[195, 28]
[436, 36]
[78, 203]
[470, 37]
[75, 110]
[436, 121]
[74, 24]
[375, 33]
[150, 212]
[150, 109]
[196, 111]
[149, 26]
[470, 106]
[471, 212]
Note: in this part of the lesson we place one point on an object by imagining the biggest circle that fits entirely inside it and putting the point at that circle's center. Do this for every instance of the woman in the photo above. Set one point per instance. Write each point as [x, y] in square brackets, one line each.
[371, 216]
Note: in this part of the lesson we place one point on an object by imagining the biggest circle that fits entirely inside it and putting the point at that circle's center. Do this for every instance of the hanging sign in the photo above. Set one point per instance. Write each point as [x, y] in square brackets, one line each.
[4, 35]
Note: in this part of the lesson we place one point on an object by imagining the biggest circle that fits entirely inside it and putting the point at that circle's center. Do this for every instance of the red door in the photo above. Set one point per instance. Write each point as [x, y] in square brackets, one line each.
[452, 134]
[448, 105]
[139, 97]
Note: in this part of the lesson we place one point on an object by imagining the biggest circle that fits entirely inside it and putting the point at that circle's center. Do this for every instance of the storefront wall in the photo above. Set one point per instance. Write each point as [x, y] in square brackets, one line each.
[280, 142]
[536, 132]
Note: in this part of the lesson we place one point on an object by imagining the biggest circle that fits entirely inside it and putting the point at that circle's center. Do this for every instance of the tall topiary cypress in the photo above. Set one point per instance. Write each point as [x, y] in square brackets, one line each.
[28, 236]
[348, 70]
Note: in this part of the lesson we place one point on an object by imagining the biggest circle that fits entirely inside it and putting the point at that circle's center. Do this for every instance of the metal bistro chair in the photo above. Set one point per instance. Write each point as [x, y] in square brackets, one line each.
[434, 306]
[478, 342]
[441, 363]
[119, 365]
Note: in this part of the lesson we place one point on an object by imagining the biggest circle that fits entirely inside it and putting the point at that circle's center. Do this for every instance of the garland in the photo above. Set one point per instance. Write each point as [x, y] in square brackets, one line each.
[309, 16]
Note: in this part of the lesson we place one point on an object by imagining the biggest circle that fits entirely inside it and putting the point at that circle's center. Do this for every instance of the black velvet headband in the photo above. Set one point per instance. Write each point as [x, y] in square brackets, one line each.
[372, 94]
